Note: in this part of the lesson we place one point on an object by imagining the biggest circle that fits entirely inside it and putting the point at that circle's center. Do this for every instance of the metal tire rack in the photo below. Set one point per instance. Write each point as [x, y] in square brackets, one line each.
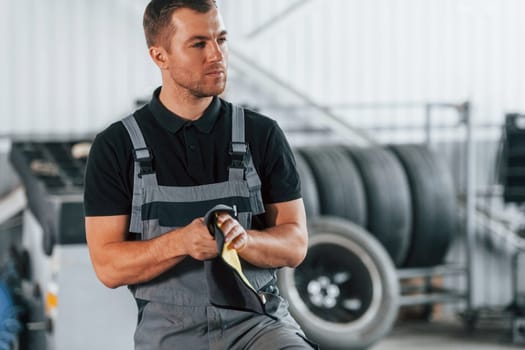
[297, 101]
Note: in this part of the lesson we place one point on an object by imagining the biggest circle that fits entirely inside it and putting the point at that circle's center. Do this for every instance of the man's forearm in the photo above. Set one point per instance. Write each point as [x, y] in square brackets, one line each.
[125, 263]
[282, 245]
[119, 262]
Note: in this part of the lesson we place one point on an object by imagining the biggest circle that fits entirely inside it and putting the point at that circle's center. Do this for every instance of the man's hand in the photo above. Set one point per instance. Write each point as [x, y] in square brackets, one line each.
[233, 232]
[198, 242]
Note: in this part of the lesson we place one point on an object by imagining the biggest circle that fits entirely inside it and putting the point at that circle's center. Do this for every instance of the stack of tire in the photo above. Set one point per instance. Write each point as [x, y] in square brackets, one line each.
[370, 211]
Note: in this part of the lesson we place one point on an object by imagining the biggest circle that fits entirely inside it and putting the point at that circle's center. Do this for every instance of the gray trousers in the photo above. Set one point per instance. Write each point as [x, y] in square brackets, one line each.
[166, 326]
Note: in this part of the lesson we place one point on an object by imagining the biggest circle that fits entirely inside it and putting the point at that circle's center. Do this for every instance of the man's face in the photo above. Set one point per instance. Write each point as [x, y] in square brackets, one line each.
[197, 53]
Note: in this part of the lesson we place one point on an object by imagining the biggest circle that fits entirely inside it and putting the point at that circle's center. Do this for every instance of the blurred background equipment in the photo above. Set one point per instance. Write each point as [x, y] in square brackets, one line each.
[53, 176]
[63, 297]
[10, 326]
[512, 177]
[512, 167]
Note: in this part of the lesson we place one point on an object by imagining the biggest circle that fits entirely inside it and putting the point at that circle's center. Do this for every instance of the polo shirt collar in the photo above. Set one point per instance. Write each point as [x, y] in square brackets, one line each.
[172, 122]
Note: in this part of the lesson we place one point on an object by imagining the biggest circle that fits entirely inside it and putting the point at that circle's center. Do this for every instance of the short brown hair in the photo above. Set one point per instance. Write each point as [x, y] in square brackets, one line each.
[157, 17]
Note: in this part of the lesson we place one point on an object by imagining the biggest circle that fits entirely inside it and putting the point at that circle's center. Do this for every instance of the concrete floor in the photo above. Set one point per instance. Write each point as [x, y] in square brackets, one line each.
[447, 335]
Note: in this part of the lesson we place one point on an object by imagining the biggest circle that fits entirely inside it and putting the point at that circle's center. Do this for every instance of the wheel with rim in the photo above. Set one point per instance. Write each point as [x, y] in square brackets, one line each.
[345, 295]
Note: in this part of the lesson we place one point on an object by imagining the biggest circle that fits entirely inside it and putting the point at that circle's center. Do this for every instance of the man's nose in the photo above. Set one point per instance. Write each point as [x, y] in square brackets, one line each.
[216, 52]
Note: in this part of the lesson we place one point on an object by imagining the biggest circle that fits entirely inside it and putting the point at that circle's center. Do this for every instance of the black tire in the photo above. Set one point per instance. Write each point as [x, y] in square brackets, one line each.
[389, 207]
[434, 205]
[308, 187]
[345, 295]
[338, 182]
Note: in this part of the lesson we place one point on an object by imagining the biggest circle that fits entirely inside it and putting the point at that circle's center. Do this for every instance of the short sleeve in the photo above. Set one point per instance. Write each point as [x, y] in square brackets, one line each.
[107, 186]
[280, 180]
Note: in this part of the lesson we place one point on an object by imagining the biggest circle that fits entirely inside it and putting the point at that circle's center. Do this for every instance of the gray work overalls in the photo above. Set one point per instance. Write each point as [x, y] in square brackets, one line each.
[174, 308]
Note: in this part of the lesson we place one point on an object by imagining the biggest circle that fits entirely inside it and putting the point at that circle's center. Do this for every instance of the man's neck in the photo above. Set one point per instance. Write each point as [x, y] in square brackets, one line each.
[184, 105]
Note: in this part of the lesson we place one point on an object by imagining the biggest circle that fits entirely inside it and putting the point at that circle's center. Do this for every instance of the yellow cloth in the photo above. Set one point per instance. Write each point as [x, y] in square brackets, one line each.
[230, 256]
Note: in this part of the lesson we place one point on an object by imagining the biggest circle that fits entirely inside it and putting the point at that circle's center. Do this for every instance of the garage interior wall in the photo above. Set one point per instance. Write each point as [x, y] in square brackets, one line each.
[341, 52]
[73, 67]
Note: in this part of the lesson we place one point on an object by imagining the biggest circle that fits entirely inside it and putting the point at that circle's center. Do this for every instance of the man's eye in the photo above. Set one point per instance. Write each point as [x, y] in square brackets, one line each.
[199, 45]
[222, 41]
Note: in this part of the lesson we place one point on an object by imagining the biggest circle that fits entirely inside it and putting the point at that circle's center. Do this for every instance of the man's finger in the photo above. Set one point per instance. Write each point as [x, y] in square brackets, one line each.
[222, 218]
[235, 231]
[240, 242]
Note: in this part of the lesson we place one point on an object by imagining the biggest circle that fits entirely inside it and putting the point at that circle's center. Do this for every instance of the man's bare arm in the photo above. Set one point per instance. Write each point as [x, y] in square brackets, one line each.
[119, 262]
[284, 243]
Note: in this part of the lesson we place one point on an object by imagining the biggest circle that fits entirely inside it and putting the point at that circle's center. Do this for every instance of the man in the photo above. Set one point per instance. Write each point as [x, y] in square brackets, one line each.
[151, 178]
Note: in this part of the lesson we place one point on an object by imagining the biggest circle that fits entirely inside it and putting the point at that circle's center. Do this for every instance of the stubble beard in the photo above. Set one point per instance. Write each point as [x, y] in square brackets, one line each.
[201, 88]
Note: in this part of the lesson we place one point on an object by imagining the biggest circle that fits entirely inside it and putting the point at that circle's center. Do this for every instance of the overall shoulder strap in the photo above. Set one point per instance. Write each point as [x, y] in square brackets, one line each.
[242, 167]
[141, 152]
[239, 147]
[238, 140]
[143, 171]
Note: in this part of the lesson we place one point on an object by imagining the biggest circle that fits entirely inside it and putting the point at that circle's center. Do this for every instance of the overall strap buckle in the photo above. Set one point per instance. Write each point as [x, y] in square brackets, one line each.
[238, 152]
[144, 157]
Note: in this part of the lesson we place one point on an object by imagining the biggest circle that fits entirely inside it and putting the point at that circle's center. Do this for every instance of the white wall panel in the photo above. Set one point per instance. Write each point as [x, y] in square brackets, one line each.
[354, 51]
[71, 67]
[5, 9]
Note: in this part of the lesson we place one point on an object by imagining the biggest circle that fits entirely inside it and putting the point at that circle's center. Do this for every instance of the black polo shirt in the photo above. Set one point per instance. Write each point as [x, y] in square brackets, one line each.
[186, 153]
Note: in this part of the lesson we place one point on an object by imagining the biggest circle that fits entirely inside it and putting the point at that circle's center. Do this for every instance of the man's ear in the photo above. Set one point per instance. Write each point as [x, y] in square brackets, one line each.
[159, 56]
